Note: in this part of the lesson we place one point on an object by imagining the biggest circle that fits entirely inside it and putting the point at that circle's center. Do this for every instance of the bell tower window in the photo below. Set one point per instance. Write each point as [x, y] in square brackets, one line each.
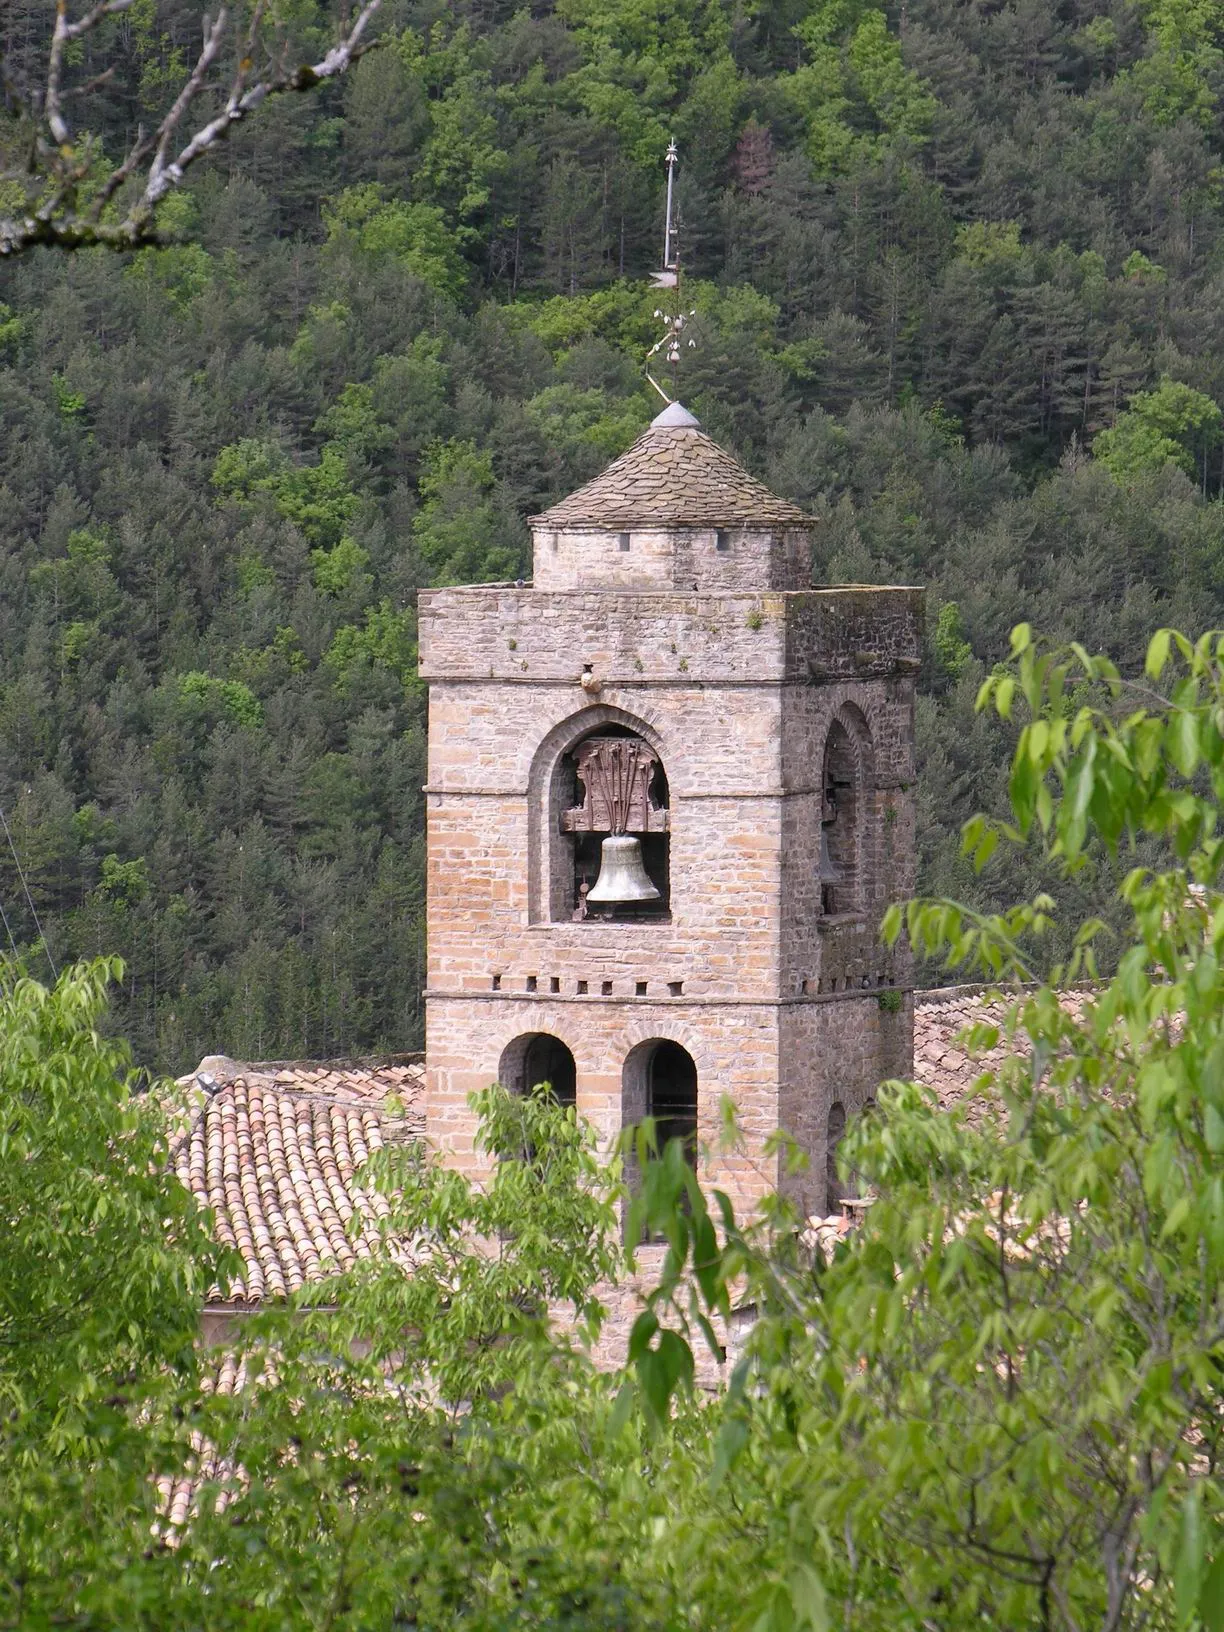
[614, 829]
[538, 1059]
[839, 824]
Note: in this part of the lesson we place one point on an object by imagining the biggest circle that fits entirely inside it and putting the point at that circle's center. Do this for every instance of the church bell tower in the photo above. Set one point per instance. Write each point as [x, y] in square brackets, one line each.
[670, 795]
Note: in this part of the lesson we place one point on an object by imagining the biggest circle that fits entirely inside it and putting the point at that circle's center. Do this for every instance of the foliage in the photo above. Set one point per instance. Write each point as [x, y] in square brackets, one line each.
[857, 97]
[232, 698]
[933, 265]
[999, 1402]
[415, 234]
[1171, 425]
[952, 651]
[996, 1403]
[413, 1449]
[103, 1257]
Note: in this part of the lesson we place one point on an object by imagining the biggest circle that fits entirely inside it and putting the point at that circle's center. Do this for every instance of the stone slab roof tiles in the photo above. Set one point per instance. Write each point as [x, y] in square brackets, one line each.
[674, 475]
[276, 1152]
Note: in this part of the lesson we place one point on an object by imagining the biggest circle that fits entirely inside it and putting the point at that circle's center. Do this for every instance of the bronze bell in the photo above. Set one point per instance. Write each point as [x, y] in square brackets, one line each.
[622, 877]
[830, 872]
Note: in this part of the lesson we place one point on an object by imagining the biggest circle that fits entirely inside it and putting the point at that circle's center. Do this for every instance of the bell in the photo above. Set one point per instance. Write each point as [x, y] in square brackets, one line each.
[621, 874]
[830, 872]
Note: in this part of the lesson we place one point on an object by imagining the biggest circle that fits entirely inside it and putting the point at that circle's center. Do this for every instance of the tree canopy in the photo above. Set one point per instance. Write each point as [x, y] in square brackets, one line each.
[997, 1402]
[957, 276]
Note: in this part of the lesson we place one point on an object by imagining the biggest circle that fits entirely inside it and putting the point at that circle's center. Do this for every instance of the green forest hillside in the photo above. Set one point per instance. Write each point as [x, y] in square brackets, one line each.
[959, 270]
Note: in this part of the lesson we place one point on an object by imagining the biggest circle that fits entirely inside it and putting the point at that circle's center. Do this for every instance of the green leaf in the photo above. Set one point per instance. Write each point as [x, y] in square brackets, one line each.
[732, 1437]
[1211, 1597]
[1182, 741]
[808, 1599]
[1157, 653]
[1022, 790]
[1188, 1566]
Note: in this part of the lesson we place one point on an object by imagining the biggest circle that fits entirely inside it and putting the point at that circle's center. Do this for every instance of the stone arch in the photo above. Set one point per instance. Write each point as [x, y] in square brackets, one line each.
[534, 1057]
[660, 1079]
[846, 786]
[551, 853]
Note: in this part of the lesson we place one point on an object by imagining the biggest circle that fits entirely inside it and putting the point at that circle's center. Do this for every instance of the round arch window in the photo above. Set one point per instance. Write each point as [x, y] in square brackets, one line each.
[535, 1059]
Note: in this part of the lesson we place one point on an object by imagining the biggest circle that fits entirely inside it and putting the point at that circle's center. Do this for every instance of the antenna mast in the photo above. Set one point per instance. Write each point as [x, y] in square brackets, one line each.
[668, 264]
[669, 342]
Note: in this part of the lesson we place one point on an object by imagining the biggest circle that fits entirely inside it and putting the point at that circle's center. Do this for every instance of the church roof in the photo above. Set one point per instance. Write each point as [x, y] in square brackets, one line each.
[674, 475]
[276, 1150]
[941, 1060]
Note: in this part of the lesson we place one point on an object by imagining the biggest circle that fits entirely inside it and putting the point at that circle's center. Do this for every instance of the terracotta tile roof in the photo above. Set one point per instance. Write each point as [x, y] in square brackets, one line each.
[674, 475]
[369, 1081]
[178, 1493]
[276, 1152]
[941, 1061]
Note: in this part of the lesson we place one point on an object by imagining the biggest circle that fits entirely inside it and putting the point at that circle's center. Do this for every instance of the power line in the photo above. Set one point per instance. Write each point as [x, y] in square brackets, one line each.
[8, 931]
[29, 898]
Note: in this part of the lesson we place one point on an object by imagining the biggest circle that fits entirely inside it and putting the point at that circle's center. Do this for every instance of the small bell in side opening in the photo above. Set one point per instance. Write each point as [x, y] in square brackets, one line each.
[622, 877]
[830, 872]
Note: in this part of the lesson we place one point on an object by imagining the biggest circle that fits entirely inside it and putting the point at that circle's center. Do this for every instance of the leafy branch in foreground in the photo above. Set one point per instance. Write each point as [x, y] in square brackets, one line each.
[56, 186]
[1001, 1402]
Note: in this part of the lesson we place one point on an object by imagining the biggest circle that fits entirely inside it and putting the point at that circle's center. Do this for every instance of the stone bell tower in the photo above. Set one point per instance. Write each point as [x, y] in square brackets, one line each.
[669, 797]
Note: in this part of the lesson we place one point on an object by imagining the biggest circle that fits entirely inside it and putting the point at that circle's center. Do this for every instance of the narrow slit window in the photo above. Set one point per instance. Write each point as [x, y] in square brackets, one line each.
[622, 543]
[722, 540]
[839, 822]
[834, 1129]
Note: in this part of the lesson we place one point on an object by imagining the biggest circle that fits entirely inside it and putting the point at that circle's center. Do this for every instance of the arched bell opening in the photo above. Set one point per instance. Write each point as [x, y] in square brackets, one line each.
[659, 1080]
[610, 800]
[536, 1058]
[834, 1129]
[842, 806]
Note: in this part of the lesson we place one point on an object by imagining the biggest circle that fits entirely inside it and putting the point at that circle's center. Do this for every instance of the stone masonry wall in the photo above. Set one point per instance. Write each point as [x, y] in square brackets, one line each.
[835, 1051]
[734, 1045]
[639, 639]
[679, 558]
[736, 692]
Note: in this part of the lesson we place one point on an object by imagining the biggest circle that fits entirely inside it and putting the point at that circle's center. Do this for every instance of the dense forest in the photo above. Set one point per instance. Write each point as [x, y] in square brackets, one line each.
[958, 270]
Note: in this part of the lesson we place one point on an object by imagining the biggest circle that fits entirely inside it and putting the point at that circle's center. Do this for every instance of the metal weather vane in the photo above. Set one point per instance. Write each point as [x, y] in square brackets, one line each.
[672, 340]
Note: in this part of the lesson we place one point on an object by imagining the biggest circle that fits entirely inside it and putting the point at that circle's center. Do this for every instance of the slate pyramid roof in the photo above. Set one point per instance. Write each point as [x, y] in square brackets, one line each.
[674, 475]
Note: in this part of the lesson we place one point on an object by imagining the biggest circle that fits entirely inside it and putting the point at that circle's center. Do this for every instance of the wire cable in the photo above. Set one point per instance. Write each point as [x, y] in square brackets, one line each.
[8, 931]
[29, 898]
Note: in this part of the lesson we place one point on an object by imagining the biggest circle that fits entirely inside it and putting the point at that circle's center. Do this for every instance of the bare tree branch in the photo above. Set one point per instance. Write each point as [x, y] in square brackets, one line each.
[63, 33]
[59, 168]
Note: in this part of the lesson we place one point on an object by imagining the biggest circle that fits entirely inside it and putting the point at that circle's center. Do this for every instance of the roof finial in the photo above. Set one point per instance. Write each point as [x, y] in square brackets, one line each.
[670, 265]
[669, 342]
